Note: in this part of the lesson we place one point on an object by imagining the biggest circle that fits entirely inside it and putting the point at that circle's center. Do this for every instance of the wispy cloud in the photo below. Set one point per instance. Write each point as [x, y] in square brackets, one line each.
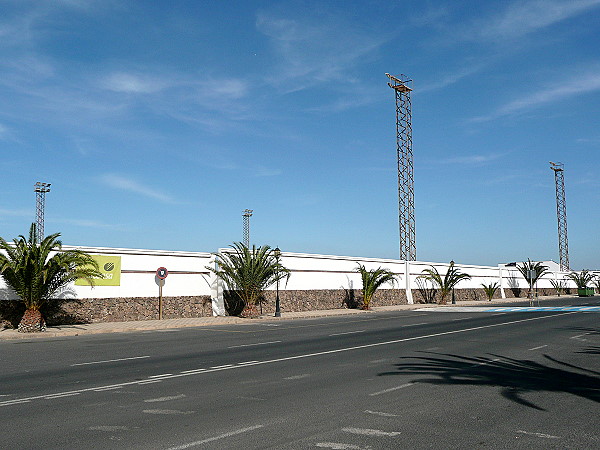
[310, 51]
[130, 185]
[524, 17]
[16, 212]
[468, 160]
[561, 89]
[131, 83]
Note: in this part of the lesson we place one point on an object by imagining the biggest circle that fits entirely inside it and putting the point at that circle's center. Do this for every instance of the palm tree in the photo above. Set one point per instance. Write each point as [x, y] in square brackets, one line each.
[532, 271]
[597, 283]
[372, 280]
[490, 289]
[248, 273]
[447, 283]
[581, 279]
[559, 285]
[35, 277]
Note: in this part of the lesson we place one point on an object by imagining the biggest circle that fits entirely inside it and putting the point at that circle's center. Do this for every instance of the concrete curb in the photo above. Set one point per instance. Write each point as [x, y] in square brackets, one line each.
[171, 324]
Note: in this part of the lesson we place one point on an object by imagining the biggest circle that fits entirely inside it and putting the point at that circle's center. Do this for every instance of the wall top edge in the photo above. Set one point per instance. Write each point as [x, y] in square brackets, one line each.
[137, 251]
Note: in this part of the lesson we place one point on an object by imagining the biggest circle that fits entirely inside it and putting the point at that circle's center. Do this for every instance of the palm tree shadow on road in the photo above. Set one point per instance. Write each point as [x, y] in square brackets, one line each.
[515, 377]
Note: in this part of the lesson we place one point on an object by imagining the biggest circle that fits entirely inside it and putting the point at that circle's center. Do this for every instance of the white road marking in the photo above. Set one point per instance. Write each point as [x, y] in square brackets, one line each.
[382, 414]
[298, 377]
[415, 324]
[109, 388]
[161, 375]
[167, 411]
[578, 337]
[461, 318]
[222, 367]
[164, 399]
[110, 360]
[537, 348]
[307, 355]
[17, 402]
[340, 446]
[252, 345]
[385, 391]
[193, 371]
[485, 363]
[541, 435]
[50, 397]
[109, 428]
[348, 332]
[247, 362]
[369, 432]
[216, 438]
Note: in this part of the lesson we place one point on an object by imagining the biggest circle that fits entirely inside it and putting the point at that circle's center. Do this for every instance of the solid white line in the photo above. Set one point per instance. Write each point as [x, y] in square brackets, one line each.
[542, 435]
[109, 388]
[537, 348]
[222, 367]
[338, 446]
[415, 324]
[110, 360]
[193, 371]
[216, 438]
[50, 397]
[252, 345]
[161, 375]
[580, 335]
[16, 402]
[369, 432]
[310, 355]
[385, 391]
[348, 332]
[247, 362]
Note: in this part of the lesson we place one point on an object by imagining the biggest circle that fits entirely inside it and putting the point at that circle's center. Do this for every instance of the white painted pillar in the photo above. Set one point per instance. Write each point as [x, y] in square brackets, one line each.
[502, 293]
[409, 297]
[216, 291]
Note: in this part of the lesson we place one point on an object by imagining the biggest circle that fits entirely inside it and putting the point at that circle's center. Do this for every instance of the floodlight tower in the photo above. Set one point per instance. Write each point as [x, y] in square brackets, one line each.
[246, 214]
[561, 214]
[40, 190]
[404, 153]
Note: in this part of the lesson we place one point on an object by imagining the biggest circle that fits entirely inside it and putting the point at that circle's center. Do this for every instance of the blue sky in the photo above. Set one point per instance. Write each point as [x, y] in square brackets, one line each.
[157, 123]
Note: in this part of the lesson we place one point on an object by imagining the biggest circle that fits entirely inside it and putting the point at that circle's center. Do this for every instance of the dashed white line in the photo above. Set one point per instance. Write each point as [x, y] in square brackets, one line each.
[370, 432]
[307, 355]
[461, 318]
[579, 336]
[379, 413]
[222, 367]
[485, 363]
[110, 360]
[537, 348]
[108, 388]
[167, 411]
[161, 375]
[164, 399]
[339, 446]
[541, 435]
[216, 438]
[247, 362]
[252, 345]
[385, 391]
[415, 324]
[297, 377]
[348, 332]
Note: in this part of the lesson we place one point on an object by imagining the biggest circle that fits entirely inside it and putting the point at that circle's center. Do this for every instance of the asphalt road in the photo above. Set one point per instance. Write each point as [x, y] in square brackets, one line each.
[406, 379]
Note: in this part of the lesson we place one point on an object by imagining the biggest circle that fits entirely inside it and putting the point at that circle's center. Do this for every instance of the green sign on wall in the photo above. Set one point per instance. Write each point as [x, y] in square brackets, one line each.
[110, 266]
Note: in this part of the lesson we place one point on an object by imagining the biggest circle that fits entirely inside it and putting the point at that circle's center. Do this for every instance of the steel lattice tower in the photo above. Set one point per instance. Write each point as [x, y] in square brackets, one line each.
[406, 188]
[40, 190]
[561, 214]
[246, 214]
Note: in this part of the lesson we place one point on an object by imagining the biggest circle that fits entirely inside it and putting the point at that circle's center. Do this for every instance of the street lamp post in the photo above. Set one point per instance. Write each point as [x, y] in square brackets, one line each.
[277, 253]
[453, 298]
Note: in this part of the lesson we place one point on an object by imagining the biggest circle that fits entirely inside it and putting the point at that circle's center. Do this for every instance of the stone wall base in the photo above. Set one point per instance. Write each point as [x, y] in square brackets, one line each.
[122, 309]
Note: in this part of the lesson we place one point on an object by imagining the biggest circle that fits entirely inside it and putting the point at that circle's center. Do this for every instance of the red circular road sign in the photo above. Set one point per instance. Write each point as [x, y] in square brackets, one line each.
[162, 273]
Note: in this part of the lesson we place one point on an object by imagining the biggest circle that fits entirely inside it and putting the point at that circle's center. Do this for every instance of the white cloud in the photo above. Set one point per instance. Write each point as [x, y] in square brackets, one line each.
[131, 83]
[314, 51]
[561, 89]
[17, 213]
[130, 185]
[525, 17]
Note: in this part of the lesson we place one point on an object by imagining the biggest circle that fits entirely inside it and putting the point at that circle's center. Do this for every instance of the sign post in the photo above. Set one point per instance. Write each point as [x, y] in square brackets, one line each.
[161, 274]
